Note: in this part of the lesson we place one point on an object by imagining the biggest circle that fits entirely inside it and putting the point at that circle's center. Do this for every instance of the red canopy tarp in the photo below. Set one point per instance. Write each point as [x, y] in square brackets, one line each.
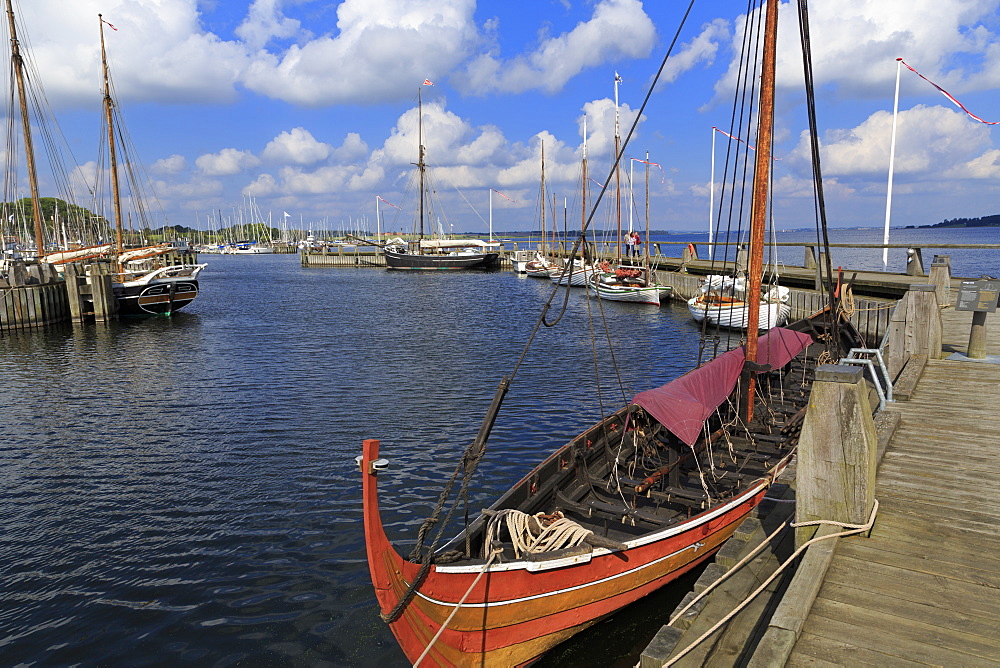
[683, 405]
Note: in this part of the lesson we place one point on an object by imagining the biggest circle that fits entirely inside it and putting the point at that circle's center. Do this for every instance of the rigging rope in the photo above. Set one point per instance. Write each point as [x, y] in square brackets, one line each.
[471, 458]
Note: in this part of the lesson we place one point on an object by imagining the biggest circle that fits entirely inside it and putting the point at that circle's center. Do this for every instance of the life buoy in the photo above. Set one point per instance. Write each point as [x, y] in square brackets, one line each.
[691, 250]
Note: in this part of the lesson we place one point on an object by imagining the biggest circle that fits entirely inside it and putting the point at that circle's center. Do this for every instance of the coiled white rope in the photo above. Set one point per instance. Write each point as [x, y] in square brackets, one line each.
[530, 534]
[851, 530]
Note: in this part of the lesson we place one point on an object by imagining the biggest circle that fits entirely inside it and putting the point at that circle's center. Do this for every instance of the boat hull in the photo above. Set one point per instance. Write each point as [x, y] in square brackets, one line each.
[394, 260]
[519, 610]
[577, 277]
[735, 315]
[156, 298]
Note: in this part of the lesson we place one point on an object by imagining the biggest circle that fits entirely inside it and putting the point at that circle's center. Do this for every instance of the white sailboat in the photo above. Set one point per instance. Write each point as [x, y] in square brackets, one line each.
[722, 300]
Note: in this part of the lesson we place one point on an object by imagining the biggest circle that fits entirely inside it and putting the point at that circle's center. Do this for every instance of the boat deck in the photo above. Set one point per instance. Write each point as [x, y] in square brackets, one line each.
[923, 589]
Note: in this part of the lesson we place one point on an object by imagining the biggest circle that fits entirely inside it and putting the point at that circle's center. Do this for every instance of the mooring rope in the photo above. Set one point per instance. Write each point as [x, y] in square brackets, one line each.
[851, 530]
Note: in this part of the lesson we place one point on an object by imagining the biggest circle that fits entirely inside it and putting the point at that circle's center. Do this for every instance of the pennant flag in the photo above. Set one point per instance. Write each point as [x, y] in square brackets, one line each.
[389, 203]
[740, 141]
[502, 195]
[947, 95]
[286, 214]
[597, 182]
[663, 176]
[428, 82]
[732, 137]
[109, 25]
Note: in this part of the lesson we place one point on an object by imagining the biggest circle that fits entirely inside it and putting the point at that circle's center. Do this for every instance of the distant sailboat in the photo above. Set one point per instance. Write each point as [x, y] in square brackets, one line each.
[142, 284]
[430, 254]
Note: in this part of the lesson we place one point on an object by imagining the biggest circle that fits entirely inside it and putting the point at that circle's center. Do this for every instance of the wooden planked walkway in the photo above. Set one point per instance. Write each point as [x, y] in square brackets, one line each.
[924, 589]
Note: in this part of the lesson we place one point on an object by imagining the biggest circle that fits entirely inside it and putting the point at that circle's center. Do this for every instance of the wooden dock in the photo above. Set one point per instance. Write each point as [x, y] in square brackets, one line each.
[925, 587]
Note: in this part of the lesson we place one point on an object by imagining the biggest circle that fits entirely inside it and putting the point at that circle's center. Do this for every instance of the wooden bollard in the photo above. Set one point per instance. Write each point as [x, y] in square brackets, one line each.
[940, 278]
[914, 328]
[838, 447]
[914, 262]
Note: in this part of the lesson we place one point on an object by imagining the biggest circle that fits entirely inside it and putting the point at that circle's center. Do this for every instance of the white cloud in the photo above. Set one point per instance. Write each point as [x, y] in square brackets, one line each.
[264, 21]
[855, 44]
[226, 162]
[985, 166]
[617, 29]
[702, 49]
[171, 165]
[264, 185]
[390, 45]
[159, 51]
[296, 146]
[926, 138]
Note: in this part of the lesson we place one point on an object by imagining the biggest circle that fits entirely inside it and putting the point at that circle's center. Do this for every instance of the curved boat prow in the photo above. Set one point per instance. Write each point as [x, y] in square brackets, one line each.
[376, 542]
[391, 574]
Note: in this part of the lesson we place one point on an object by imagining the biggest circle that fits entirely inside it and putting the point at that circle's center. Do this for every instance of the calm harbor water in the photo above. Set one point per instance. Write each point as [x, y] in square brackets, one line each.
[184, 489]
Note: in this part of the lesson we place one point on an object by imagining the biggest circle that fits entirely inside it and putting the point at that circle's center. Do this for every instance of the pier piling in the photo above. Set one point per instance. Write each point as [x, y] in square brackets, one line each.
[837, 451]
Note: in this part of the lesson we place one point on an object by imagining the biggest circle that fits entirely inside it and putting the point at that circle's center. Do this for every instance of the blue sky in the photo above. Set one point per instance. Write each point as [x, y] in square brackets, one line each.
[308, 106]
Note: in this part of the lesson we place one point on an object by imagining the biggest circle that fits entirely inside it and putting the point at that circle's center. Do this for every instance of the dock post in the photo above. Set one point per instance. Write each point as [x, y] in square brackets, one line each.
[914, 328]
[742, 257]
[105, 306]
[977, 336]
[838, 448]
[914, 262]
[71, 272]
[941, 278]
[809, 262]
[689, 253]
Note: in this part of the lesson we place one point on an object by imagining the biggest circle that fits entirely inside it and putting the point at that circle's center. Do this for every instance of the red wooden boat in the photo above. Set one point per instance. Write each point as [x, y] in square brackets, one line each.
[495, 605]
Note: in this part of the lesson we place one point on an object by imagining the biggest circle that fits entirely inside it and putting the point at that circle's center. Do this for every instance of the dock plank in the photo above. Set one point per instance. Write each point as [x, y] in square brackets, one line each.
[897, 636]
[820, 651]
[925, 587]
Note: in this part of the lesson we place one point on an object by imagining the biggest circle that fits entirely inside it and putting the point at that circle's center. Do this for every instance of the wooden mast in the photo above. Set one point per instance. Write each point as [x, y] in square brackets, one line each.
[618, 184]
[116, 198]
[761, 187]
[649, 277]
[420, 156]
[544, 230]
[29, 149]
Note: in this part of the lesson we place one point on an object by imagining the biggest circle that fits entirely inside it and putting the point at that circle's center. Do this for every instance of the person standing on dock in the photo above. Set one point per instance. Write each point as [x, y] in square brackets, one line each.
[629, 244]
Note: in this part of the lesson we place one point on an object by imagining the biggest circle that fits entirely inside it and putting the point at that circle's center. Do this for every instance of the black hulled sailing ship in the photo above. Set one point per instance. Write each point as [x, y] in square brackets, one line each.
[436, 253]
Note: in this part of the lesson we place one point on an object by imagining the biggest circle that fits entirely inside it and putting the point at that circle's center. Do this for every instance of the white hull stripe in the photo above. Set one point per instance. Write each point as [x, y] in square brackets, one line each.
[557, 592]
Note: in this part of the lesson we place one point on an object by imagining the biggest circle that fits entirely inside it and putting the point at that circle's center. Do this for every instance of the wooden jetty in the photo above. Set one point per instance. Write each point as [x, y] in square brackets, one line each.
[924, 588]
[920, 587]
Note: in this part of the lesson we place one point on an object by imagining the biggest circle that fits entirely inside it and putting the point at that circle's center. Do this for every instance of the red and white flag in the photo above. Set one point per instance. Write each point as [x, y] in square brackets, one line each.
[948, 95]
[740, 141]
[389, 203]
[663, 176]
[502, 195]
[732, 137]
[428, 82]
[109, 25]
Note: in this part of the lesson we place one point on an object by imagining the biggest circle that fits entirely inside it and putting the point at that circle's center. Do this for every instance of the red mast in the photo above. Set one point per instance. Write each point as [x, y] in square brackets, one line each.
[761, 186]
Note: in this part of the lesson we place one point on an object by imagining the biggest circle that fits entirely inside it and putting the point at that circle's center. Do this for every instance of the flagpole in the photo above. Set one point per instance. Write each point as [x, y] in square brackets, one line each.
[491, 215]
[378, 222]
[711, 199]
[892, 160]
